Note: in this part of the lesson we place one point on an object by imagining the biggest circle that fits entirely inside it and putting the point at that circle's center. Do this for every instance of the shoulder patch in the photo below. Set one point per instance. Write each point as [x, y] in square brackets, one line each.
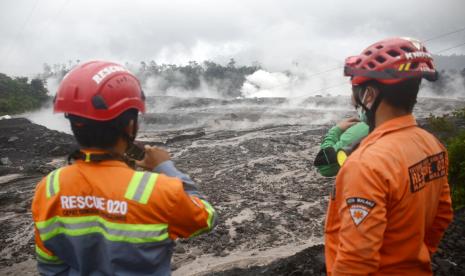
[359, 208]
[428, 169]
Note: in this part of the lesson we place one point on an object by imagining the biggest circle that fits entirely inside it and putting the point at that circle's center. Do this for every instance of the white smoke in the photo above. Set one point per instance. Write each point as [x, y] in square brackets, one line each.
[263, 84]
[152, 84]
[52, 84]
[452, 86]
[294, 84]
[46, 117]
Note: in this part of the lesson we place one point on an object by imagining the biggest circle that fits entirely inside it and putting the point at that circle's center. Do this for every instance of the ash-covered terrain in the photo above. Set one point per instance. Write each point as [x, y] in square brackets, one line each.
[253, 158]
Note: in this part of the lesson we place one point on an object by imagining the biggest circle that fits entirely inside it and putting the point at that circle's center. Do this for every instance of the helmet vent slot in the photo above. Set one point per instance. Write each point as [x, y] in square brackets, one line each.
[367, 53]
[414, 65]
[380, 59]
[407, 49]
[371, 65]
[379, 47]
[393, 53]
[358, 61]
[98, 102]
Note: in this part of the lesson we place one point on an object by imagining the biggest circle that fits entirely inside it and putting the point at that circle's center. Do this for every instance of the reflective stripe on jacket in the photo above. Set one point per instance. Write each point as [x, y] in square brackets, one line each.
[391, 205]
[105, 218]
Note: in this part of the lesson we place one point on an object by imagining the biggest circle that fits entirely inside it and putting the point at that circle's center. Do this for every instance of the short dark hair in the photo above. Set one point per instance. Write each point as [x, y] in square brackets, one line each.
[402, 95]
[101, 134]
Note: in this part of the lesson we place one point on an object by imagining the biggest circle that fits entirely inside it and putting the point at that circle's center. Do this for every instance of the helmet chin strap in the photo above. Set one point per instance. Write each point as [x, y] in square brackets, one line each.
[370, 112]
[129, 143]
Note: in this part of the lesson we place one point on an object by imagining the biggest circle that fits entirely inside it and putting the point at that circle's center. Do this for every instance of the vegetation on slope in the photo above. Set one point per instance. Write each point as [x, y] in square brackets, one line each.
[19, 94]
[450, 129]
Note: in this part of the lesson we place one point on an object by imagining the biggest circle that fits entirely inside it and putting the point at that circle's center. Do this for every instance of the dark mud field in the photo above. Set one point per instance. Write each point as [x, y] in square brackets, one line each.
[252, 158]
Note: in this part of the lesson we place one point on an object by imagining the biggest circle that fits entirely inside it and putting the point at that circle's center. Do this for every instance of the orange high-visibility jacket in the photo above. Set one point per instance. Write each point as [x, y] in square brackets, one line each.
[391, 204]
[105, 218]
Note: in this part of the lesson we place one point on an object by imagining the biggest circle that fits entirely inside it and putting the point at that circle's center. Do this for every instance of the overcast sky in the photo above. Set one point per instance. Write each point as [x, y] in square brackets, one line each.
[277, 34]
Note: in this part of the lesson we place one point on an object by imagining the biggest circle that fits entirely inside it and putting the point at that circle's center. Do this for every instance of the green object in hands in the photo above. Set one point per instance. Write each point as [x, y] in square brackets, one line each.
[334, 141]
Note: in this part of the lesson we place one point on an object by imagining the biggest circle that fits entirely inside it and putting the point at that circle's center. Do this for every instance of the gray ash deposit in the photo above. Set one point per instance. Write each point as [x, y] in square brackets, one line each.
[253, 159]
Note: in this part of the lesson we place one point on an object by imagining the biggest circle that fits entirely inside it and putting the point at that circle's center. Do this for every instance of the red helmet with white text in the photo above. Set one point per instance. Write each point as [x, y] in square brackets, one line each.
[391, 61]
[99, 90]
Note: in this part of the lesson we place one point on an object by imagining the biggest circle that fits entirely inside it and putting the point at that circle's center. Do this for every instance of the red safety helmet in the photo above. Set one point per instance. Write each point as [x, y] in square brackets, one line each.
[391, 61]
[99, 90]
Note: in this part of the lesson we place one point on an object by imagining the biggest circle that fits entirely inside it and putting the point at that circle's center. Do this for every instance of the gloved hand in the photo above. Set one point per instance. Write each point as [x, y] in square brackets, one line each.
[153, 157]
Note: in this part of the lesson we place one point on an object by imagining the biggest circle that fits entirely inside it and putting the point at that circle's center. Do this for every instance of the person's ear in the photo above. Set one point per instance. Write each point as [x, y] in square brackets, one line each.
[371, 94]
[130, 128]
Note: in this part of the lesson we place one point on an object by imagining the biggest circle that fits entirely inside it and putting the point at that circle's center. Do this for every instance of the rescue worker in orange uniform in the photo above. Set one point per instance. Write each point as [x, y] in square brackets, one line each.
[99, 216]
[391, 203]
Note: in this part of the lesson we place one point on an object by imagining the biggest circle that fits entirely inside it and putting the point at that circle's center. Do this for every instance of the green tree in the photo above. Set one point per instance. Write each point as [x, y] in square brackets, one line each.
[19, 94]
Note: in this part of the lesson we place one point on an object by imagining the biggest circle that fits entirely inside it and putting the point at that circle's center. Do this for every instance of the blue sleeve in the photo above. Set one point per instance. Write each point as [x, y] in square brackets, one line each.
[169, 169]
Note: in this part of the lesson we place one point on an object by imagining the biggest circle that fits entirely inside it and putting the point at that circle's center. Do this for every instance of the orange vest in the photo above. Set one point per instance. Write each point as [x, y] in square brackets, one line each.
[124, 213]
[391, 204]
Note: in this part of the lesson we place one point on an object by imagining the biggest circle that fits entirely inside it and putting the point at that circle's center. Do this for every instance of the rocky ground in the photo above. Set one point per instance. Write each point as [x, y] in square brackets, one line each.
[254, 162]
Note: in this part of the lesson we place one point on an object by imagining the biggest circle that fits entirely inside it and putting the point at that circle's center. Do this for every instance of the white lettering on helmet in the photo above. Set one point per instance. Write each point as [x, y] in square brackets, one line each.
[105, 72]
[415, 42]
[415, 55]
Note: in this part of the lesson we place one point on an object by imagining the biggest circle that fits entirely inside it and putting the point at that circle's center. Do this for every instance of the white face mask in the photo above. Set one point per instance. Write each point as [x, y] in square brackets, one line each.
[361, 112]
[368, 105]
[362, 115]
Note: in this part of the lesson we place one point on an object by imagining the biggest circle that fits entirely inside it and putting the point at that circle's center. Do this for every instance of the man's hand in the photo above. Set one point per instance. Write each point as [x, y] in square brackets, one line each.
[153, 157]
[346, 123]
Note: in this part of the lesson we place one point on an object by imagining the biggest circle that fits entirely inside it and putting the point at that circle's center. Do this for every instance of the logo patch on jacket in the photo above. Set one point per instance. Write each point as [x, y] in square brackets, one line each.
[428, 169]
[359, 208]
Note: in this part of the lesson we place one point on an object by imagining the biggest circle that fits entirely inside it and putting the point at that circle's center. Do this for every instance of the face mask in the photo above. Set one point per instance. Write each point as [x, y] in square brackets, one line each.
[362, 115]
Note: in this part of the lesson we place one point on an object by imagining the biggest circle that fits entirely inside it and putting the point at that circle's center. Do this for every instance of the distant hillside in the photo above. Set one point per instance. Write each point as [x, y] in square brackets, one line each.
[226, 80]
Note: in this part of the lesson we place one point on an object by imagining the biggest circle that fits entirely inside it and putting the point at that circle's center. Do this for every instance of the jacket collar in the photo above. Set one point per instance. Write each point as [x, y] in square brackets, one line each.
[390, 126]
[111, 163]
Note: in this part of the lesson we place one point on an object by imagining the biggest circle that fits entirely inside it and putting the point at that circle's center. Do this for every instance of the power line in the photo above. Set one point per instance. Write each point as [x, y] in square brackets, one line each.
[21, 29]
[57, 14]
[429, 39]
[443, 35]
[344, 83]
[326, 71]
[329, 87]
[450, 48]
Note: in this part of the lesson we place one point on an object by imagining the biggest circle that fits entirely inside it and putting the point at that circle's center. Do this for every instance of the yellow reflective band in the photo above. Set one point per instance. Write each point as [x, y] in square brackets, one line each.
[407, 67]
[211, 213]
[52, 185]
[148, 188]
[135, 180]
[401, 67]
[141, 186]
[87, 157]
[210, 220]
[43, 256]
[123, 232]
[341, 157]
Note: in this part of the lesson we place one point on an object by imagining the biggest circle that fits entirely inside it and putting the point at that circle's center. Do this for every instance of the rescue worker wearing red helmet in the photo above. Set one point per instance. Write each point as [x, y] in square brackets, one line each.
[99, 216]
[391, 203]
